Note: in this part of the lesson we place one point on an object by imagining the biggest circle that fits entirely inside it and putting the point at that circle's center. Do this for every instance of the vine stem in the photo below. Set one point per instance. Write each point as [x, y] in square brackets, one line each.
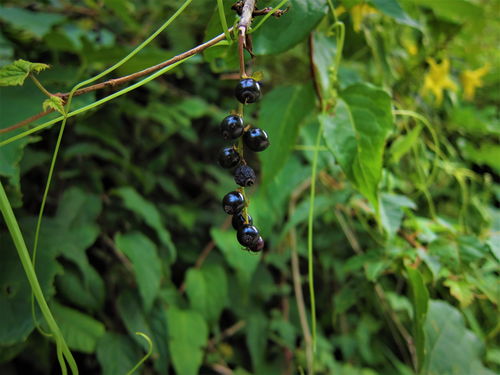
[40, 86]
[22, 251]
[119, 81]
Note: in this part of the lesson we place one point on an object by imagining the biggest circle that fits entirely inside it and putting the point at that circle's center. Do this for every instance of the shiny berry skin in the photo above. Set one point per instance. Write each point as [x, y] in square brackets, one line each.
[247, 235]
[256, 139]
[231, 127]
[259, 245]
[229, 157]
[233, 203]
[247, 91]
[239, 220]
[244, 176]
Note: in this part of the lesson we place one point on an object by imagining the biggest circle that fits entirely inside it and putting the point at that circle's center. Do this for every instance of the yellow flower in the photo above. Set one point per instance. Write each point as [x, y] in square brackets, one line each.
[437, 79]
[359, 12]
[339, 11]
[471, 79]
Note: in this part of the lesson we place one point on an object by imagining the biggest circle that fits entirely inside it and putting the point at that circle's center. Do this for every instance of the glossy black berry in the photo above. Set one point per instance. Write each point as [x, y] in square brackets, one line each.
[231, 127]
[229, 157]
[244, 176]
[233, 203]
[247, 90]
[239, 220]
[256, 139]
[247, 235]
[258, 246]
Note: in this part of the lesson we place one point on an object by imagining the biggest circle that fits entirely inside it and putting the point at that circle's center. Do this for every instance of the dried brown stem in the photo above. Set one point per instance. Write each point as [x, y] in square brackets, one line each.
[119, 81]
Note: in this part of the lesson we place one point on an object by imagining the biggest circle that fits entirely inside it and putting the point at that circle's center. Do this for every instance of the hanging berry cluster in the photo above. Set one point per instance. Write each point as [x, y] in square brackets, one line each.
[255, 139]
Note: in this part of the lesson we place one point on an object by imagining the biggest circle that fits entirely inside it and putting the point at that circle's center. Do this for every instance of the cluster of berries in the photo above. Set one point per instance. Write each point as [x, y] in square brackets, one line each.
[255, 139]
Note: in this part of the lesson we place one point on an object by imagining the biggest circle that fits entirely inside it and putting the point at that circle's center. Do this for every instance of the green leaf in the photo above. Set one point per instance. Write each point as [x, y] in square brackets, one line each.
[392, 209]
[461, 290]
[207, 291]
[451, 349]
[80, 331]
[188, 334]
[257, 327]
[86, 292]
[149, 213]
[55, 103]
[146, 263]
[116, 353]
[458, 11]
[394, 10]
[279, 35]
[243, 261]
[356, 135]
[282, 111]
[153, 324]
[37, 24]
[14, 74]
[404, 143]
[420, 302]
[324, 52]
[16, 321]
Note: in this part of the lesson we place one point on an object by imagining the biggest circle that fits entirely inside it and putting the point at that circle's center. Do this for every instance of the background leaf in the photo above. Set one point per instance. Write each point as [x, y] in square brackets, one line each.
[188, 334]
[146, 263]
[356, 135]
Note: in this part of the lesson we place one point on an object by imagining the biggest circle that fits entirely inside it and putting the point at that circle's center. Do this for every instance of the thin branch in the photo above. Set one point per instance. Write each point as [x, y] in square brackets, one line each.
[119, 81]
[238, 8]
[297, 283]
[243, 26]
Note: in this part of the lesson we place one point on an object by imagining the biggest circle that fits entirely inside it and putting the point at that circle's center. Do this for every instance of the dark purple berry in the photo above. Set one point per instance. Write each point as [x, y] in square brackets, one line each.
[247, 91]
[233, 203]
[244, 176]
[259, 245]
[231, 127]
[256, 139]
[239, 220]
[229, 157]
[247, 235]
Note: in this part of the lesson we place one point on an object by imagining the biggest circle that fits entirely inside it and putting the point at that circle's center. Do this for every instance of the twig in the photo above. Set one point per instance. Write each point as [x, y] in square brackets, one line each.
[221, 369]
[119, 81]
[243, 26]
[297, 283]
[238, 8]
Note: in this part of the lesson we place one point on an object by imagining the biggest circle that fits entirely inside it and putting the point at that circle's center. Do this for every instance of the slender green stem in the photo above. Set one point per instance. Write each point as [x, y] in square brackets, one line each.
[40, 86]
[146, 356]
[310, 231]
[22, 251]
[264, 19]
[223, 21]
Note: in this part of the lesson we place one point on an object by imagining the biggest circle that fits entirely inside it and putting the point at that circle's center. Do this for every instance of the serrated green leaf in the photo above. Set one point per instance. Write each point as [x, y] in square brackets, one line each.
[451, 349]
[55, 103]
[81, 331]
[14, 74]
[149, 213]
[188, 334]
[207, 291]
[282, 111]
[116, 353]
[147, 265]
[461, 290]
[356, 135]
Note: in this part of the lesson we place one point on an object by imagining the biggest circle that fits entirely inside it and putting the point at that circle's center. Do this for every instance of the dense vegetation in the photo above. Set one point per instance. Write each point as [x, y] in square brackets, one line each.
[380, 191]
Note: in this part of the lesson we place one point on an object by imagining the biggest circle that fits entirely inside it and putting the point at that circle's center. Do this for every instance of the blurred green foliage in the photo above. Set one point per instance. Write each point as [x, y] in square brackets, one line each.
[406, 210]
